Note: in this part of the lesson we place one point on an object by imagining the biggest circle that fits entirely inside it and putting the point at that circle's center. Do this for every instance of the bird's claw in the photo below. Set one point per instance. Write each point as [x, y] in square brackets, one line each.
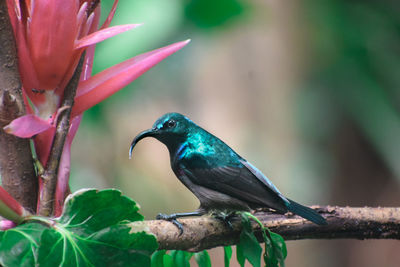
[171, 218]
[226, 219]
[179, 225]
[162, 216]
[229, 224]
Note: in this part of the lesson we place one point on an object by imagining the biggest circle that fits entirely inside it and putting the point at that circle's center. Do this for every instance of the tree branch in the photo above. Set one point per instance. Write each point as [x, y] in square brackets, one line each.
[50, 175]
[16, 164]
[343, 222]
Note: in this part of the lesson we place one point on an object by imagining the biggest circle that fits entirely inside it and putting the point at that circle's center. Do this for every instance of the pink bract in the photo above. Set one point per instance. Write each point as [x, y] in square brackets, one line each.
[51, 36]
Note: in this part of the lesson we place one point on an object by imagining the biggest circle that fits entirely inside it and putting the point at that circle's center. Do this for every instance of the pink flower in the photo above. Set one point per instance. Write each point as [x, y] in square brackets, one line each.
[51, 36]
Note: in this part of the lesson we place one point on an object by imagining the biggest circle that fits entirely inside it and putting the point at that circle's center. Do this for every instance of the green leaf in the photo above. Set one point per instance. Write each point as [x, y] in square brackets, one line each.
[181, 258]
[97, 209]
[96, 229]
[276, 252]
[275, 247]
[269, 255]
[157, 259]
[227, 255]
[18, 246]
[279, 243]
[203, 259]
[250, 247]
[168, 261]
[240, 255]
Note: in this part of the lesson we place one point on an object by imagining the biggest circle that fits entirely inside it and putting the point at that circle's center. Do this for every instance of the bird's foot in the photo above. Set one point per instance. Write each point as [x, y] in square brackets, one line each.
[226, 218]
[171, 218]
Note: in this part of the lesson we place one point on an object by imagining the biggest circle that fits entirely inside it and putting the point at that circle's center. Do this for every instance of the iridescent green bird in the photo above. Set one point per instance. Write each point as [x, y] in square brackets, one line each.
[220, 178]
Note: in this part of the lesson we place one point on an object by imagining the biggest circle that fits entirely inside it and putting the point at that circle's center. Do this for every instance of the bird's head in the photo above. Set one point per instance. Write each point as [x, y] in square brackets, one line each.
[171, 129]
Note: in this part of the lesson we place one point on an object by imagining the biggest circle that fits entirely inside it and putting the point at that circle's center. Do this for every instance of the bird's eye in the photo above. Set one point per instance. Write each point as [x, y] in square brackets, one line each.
[171, 123]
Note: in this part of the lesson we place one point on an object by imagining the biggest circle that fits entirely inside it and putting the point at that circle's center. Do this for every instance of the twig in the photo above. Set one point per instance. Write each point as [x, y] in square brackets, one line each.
[343, 222]
[16, 164]
[46, 204]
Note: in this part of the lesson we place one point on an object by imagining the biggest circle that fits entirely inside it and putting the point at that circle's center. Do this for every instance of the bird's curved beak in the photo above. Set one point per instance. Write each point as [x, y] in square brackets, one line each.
[147, 133]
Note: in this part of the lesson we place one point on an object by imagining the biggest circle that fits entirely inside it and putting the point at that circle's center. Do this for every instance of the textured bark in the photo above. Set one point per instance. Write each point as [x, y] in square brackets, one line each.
[47, 196]
[343, 222]
[16, 164]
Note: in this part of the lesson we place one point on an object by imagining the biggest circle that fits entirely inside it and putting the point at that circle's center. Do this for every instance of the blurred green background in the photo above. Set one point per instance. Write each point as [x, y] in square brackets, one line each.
[308, 91]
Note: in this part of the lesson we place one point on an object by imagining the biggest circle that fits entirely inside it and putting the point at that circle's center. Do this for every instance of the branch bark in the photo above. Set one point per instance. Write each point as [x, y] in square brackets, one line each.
[47, 196]
[343, 222]
[16, 164]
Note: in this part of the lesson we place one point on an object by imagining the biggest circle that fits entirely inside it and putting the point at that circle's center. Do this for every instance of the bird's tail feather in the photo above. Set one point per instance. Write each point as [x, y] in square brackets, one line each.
[306, 212]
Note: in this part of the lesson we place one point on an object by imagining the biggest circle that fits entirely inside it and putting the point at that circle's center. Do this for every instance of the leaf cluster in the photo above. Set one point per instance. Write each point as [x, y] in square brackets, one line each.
[249, 248]
[94, 230]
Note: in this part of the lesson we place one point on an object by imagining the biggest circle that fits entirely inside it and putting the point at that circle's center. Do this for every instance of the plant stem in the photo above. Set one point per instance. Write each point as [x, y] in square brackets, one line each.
[16, 165]
[47, 196]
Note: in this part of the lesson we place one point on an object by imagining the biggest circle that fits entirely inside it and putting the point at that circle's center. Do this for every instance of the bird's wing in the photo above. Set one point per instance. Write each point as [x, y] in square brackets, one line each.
[260, 176]
[241, 182]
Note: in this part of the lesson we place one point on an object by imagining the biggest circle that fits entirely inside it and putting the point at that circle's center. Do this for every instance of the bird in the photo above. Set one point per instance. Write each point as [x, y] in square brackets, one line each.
[219, 177]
